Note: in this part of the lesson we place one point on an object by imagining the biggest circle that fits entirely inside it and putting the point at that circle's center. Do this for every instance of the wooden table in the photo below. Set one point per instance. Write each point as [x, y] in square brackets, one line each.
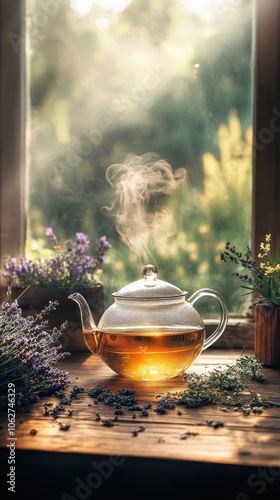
[87, 451]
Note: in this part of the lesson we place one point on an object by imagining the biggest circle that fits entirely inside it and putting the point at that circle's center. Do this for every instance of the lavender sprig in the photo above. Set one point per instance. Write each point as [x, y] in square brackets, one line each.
[29, 355]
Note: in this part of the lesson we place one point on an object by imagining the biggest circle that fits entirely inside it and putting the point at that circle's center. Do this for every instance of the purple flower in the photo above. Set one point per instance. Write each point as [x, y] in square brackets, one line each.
[28, 359]
[49, 232]
[82, 238]
[104, 242]
[67, 267]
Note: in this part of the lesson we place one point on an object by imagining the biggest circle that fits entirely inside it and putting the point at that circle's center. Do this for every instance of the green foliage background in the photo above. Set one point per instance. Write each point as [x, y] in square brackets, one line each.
[157, 78]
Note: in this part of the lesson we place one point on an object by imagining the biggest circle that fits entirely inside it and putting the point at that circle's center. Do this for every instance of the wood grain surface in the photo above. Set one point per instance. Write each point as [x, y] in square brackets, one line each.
[181, 433]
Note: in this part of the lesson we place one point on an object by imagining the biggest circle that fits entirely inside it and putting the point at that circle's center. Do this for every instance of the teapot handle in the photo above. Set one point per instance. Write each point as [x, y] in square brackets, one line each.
[208, 292]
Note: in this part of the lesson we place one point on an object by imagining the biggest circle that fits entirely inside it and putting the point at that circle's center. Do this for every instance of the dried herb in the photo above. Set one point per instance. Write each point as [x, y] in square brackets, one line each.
[107, 422]
[187, 434]
[136, 432]
[64, 427]
[124, 397]
[229, 386]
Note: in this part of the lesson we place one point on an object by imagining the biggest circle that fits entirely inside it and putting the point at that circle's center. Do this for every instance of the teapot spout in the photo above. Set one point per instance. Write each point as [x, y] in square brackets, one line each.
[87, 321]
[89, 328]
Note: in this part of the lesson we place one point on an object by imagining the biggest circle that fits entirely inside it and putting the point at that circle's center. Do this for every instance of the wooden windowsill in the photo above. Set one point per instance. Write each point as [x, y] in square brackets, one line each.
[226, 456]
[239, 333]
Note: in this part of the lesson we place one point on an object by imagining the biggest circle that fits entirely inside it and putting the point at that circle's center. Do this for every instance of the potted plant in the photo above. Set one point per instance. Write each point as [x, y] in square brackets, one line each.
[262, 279]
[35, 282]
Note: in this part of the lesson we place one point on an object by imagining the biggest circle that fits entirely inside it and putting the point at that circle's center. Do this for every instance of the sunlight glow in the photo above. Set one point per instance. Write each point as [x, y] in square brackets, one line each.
[83, 7]
[204, 8]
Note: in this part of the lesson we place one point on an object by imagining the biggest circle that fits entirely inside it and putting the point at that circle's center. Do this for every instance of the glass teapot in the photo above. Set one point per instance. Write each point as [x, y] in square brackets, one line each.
[151, 331]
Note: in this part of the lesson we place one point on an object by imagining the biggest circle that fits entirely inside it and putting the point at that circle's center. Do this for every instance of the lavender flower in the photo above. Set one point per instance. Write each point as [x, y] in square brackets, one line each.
[29, 355]
[67, 268]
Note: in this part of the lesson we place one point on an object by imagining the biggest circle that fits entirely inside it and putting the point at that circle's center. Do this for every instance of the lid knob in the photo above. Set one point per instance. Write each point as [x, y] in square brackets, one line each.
[150, 275]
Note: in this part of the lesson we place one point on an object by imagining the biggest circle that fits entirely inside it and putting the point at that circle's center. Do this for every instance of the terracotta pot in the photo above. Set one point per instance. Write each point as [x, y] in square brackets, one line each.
[34, 299]
[267, 334]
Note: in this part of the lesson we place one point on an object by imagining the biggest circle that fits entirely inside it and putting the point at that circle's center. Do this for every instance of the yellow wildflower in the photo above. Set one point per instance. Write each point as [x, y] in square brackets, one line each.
[272, 270]
[265, 247]
[263, 279]
[269, 270]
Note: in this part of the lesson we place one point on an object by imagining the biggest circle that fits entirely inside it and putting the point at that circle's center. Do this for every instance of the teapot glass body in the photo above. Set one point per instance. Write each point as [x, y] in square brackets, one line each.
[151, 332]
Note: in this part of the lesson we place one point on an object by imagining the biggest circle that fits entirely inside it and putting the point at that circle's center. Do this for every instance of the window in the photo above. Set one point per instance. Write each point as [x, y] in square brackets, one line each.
[265, 202]
[143, 77]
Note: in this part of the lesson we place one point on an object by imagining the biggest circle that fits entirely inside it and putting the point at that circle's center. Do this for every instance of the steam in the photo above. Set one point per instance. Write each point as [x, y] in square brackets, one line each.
[142, 186]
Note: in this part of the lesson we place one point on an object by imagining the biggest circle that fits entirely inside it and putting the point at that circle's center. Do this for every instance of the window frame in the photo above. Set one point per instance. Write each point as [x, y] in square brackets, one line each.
[266, 134]
[13, 207]
[13, 137]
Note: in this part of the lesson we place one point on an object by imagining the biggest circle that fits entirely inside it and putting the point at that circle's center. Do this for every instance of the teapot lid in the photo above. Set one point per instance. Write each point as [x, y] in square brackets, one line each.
[149, 287]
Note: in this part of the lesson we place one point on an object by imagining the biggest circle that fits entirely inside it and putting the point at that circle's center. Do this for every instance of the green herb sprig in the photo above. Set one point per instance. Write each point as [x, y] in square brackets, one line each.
[229, 386]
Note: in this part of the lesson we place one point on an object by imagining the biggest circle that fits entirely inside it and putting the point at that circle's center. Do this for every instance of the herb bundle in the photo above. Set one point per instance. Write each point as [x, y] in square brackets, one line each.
[29, 355]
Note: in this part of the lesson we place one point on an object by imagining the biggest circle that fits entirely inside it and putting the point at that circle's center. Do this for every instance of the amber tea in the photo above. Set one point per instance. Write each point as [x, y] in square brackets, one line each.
[148, 355]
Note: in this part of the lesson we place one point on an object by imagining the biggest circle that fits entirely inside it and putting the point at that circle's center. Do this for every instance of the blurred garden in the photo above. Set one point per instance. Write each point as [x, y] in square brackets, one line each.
[132, 77]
